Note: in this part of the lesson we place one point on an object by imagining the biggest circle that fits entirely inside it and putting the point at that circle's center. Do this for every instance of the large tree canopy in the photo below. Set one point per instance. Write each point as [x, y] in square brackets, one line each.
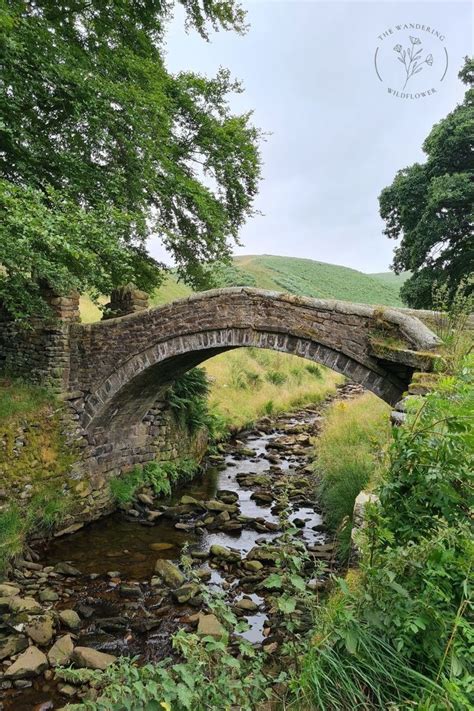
[101, 147]
[430, 206]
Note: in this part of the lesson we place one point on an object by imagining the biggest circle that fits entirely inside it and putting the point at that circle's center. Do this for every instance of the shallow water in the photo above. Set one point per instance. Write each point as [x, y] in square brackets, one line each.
[143, 625]
[116, 544]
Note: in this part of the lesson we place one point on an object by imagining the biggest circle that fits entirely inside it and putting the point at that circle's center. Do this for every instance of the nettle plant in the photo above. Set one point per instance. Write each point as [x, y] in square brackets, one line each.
[211, 674]
[417, 590]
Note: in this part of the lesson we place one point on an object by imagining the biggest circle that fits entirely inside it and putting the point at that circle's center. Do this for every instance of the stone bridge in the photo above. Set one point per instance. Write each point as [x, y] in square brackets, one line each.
[115, 372]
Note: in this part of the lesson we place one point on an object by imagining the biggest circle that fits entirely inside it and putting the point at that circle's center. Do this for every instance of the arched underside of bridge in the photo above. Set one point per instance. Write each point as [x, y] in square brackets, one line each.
[123, 366]
[160, 365]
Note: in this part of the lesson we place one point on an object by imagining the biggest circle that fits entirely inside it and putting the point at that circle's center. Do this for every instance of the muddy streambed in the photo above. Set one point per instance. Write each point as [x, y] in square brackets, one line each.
[108, 572]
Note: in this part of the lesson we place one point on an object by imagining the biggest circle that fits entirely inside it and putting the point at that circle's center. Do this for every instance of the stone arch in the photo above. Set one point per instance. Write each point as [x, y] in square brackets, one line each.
[120, 366]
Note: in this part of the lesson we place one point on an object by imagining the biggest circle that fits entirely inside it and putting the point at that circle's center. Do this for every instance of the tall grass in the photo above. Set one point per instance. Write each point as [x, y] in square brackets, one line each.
[374, 676]
[249, 383]
[348, 457]
[46, 509]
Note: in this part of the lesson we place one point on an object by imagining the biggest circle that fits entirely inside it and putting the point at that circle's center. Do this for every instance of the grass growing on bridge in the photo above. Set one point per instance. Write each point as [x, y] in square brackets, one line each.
[249, 383]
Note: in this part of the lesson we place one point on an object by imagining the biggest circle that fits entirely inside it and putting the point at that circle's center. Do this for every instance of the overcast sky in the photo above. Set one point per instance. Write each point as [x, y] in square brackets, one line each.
[337, 136]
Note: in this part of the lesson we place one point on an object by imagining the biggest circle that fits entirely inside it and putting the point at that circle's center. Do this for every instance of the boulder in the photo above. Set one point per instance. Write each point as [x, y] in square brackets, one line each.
[145, 499]
[223, 517]
[252, 565]
[218, 506]
[262, 497]
[186, 592]
[70, 619]
[265, 555]
[246, 605]
[40, 629]
[222, 552]
[61, 651]
[191, 501]
[25, 604]
[87, 658]
[67, 690]
[31, 663]
[7, 590]
[11, 645]
[169, 573]
[210, 626]
[154, 515]
[66, 569]
[48, 595]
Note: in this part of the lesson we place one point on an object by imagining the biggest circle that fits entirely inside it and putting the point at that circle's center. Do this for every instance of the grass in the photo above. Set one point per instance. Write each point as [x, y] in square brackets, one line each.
[376, 677]
[347, 457]
[303, 277]
[391, 279]
[18, 399]
[306, 277]
[170, 290]
[161, 476]
[46, 508]
[248, 383]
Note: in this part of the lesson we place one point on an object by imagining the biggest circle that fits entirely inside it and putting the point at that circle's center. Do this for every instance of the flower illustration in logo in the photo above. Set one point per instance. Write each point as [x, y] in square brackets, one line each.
[411, 58]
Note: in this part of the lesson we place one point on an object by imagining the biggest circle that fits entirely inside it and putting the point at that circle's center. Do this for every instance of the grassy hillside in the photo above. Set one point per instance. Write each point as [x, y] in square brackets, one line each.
[391, 279]
[306, 277]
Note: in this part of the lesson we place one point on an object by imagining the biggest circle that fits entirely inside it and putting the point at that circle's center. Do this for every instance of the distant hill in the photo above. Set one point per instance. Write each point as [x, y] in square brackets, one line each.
[303, 277]
[391, 278]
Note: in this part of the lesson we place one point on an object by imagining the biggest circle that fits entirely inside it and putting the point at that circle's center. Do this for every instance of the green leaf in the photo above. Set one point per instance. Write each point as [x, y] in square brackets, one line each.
[273, 581]
[298, 582]
[286, 604]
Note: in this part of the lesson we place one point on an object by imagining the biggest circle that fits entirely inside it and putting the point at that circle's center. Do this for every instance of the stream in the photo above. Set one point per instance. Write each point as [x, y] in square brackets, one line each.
[108, 574]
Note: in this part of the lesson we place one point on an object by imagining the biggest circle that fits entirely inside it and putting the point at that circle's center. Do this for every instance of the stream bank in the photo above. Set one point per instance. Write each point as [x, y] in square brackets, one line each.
[114, 587]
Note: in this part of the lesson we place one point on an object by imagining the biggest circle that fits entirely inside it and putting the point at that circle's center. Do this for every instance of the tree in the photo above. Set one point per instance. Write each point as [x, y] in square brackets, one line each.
[430, 206]
[101, 147]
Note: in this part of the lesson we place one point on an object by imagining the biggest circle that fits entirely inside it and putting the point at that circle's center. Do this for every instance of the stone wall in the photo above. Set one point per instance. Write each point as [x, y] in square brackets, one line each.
[41, 451]
[39, 350]
[89, 480]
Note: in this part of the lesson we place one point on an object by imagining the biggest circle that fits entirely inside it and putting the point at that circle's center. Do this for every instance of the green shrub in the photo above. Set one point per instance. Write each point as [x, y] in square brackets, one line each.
[12, 533]
[420, 541]
[187, 398]
[413, 606]
[315, 370]
[46, 509]
[268, 407]
[361, 671]
[275, 377]
[19, 398]
[124, 488]
[161, 476]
